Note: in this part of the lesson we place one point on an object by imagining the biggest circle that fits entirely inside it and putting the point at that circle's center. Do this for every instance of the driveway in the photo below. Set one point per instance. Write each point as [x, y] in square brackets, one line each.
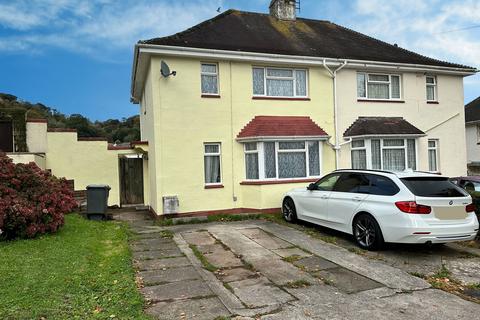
[263, 270]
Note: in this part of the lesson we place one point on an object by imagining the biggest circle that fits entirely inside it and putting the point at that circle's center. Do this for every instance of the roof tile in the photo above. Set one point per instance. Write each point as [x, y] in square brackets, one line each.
[281, 126]
[365, 126]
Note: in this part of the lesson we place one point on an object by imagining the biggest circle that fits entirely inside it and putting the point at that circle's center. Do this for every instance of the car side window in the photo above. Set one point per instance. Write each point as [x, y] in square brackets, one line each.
[352, 182]
[382, 186]
[327, 183]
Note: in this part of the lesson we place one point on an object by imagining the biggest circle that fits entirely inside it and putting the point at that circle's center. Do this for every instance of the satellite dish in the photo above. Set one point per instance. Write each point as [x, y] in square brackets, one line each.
[165, 70]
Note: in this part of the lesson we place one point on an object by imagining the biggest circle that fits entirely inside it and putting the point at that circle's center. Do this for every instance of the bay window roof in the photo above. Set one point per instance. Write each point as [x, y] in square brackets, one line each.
[275, 127]
[382, 126]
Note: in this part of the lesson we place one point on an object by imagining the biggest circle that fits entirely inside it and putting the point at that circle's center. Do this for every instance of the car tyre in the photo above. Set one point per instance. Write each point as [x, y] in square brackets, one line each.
[288, 210]
[367, 232]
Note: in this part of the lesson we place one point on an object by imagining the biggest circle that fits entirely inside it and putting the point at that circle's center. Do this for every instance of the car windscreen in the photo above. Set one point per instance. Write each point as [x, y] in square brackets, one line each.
[433, 187]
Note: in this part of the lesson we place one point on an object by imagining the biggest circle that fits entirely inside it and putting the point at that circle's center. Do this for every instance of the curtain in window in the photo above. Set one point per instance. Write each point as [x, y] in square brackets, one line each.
[212, 148]
[378, 91]
[282, 88]
[358, 143]
[292, 165]
[313, 158]
[209, 84]
[412, 163]
[251, 162]
[394, 159]
[209, 68]
[258, 81]
[287, 73]
[393, 143]
[359, 159]
[301, 82]
[291, 145]
[395, 87]
[361, 91]
[376, 156]
[212, 169]
[270, 169]
[432, 160]
[430, 93]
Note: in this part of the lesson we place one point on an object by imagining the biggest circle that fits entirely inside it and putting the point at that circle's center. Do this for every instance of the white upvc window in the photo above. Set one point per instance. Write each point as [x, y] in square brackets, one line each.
[392, 154]
[209, 78]
[212, 163]
[277, 160]
[377, 86]
[433, 155]
[280, 82]
[431, 86]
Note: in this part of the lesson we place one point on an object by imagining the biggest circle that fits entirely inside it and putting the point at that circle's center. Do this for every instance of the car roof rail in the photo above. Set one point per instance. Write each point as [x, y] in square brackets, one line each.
[365, 170]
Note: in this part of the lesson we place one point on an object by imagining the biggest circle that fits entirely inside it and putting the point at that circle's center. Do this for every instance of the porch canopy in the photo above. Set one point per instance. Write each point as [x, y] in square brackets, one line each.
[281, 127]
[382, 126]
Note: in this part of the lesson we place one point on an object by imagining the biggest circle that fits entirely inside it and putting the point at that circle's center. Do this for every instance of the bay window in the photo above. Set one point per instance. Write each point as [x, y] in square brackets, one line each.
[279, 82]
[396, 154]
[282, 159]
[378, 86]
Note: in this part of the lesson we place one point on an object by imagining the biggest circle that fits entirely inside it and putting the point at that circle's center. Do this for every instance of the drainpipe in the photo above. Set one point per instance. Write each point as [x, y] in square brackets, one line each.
[333, 74]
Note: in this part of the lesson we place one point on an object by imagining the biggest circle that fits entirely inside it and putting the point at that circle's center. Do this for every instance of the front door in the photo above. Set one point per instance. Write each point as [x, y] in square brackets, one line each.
[131, 181]
[6, 136]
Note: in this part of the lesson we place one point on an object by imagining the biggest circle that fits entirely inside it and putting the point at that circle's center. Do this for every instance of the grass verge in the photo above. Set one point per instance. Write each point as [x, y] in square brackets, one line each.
[82, 272]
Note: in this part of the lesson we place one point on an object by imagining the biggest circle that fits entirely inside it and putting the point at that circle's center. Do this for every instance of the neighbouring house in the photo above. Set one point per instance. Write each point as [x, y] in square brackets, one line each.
[83, 161]
[472, 131]
[242, 107]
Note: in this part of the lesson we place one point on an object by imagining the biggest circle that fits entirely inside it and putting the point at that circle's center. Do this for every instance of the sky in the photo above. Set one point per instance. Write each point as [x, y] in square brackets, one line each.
[76, 55]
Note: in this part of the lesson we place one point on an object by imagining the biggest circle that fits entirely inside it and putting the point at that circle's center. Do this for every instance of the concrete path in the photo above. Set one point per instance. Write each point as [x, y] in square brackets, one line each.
[262, 270]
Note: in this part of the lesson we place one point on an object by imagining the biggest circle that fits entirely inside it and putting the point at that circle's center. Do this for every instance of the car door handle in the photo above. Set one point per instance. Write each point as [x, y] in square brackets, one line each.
[357, 199]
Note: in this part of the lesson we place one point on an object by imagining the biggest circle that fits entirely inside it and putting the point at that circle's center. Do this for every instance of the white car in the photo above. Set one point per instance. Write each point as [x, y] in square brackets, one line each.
[382, 206]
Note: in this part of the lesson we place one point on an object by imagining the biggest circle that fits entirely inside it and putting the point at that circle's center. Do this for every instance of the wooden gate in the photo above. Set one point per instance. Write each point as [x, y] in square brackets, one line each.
[6, 136]
[131, 180]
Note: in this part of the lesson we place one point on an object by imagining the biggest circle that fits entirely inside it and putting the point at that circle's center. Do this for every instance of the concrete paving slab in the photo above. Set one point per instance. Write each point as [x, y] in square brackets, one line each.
[280, 272]
[223, 259]
[156, 264]
[199, 309]
[259, 292]
[264, 239]
[156, 254]
[153, 244]
[154, 277]
[314, 264]
[199, 238]
[347, 280]
[291, 252]
[210, 248]
[177, 290]
[235, 274]
[465, 270]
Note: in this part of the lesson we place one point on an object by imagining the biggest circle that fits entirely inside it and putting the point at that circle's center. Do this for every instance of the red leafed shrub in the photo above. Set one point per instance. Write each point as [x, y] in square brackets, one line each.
[32, 201]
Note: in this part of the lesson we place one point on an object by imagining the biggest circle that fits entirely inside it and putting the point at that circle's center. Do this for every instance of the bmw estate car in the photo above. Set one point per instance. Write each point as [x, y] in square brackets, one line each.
[381, 206]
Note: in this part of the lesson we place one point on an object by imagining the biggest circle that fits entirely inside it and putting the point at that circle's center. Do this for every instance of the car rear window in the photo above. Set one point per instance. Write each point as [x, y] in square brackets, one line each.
[433, 187]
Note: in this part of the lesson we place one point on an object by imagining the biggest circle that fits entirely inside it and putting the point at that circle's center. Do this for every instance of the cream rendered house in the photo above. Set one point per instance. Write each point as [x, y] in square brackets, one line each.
[261, 103]
[472, 132]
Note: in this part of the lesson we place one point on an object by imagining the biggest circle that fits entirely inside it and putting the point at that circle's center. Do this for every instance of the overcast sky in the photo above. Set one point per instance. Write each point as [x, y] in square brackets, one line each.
[76, 55]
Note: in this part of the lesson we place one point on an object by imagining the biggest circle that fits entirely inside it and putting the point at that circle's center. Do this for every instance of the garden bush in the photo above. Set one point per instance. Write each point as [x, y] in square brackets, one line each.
[32, 201]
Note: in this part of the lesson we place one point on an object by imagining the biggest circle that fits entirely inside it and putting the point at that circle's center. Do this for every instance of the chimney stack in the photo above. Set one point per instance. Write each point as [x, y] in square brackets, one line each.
[283, 9]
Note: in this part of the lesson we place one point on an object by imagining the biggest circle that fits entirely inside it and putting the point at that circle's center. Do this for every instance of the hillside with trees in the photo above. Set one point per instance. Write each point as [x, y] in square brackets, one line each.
[124, 130]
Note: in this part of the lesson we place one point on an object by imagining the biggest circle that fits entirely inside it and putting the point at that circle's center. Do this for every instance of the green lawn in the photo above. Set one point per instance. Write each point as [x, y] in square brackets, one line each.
[82, 272]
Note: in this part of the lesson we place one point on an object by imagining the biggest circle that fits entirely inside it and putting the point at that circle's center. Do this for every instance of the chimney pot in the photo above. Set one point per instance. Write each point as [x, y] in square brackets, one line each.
[283, 9]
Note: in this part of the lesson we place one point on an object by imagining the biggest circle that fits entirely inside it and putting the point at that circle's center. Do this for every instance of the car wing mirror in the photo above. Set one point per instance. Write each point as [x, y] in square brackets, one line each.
[312, 186]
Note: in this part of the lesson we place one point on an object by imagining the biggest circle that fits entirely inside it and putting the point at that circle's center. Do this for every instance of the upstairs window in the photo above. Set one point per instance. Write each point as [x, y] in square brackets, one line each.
[280, 82]
[209, 76]
[376, 86]
[282, 159]
[431, 83]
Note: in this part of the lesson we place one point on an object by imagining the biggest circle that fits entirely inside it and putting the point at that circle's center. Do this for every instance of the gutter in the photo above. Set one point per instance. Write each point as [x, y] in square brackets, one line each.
[333, 74]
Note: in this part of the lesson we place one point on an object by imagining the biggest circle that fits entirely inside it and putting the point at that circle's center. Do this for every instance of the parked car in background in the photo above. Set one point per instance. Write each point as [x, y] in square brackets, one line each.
[470, 183]
[382, 206]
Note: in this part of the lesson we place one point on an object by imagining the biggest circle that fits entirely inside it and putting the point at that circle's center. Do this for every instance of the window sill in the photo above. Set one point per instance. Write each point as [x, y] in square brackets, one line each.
[432, 102]
[286, 181]
[280, 98]
[215, 96]
[381, 101]
[214, 186]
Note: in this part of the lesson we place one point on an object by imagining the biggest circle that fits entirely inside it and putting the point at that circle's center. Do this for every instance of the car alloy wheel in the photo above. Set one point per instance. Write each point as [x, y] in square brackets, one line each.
[367, 232]
[288, 210]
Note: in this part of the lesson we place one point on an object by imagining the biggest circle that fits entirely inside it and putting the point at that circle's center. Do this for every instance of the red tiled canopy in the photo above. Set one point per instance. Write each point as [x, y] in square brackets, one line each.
[281, 126]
